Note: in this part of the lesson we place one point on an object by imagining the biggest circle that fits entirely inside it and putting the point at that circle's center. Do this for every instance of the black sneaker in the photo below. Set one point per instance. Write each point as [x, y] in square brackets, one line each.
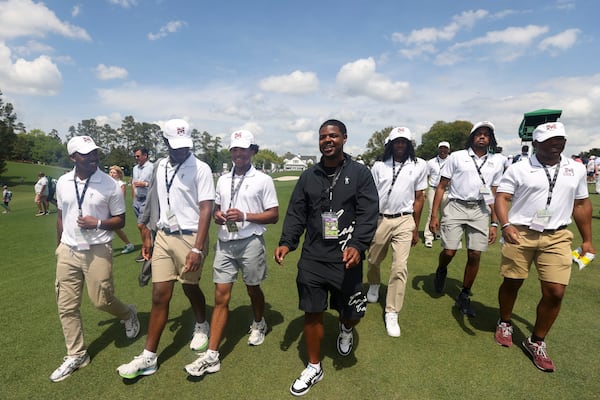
[463, 302]
[440, 279]
[306, 380]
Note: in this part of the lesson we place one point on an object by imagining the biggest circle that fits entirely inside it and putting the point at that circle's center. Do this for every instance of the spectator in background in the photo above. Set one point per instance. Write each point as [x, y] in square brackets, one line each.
[434, 167]
[117, 174]
[524, 155]
[592, 169]
[41, 194]
[6, 198]
[140, 180]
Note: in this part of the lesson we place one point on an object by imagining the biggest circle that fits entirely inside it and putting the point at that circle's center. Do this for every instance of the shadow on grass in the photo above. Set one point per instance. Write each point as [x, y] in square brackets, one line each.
[486, 317]
[294, 333]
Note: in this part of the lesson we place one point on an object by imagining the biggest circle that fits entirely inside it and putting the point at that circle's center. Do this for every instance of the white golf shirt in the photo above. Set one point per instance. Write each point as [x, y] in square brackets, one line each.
[434, 166]
[255, 195]
[528, 183]
[461, 170]
[412, 176]
[103, 199]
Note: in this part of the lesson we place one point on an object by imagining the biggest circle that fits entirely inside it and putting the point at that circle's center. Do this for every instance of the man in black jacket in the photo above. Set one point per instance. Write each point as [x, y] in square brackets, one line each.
[336, 203]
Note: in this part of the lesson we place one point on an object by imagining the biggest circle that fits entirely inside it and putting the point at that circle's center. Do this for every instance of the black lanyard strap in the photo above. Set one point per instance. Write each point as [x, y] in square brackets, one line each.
[85, 187]
[169, 182]
[334, 182]
[479, 167]
[394, 175]
[551, 182]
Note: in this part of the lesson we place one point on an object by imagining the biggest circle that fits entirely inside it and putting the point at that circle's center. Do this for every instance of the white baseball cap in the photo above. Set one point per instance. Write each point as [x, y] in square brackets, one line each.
[400, 132]
[483, 123]
[81, 145]
[242, 139]
[178, 134]
[548, 130]
[443, 144]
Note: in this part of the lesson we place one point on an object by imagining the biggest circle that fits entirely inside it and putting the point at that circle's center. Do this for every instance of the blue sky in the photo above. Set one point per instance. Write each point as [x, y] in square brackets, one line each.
[280, 68]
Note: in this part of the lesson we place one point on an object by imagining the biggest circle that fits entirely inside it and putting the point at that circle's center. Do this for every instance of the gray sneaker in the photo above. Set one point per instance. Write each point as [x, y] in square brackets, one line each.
[132, 324]
[140, 365]
[203, 365]
[258, 330]
[70, 365]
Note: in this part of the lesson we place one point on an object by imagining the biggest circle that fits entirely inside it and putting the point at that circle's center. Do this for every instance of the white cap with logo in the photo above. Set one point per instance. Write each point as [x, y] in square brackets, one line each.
[400, 132]
[242, 139]
[178, 134]
[81, 145]
[548, 130]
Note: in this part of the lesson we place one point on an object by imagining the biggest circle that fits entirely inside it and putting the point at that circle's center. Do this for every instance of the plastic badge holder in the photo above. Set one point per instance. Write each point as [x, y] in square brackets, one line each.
[582, 260]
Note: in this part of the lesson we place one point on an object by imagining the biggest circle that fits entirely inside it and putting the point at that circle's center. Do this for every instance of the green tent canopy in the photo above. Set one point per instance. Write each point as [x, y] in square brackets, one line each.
[535, 118]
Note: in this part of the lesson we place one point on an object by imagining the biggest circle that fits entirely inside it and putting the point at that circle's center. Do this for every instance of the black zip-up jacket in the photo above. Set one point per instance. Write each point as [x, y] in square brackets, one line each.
[354, 199]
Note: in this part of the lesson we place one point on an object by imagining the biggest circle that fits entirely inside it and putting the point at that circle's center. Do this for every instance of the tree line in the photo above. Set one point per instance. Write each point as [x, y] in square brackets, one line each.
[117, 144]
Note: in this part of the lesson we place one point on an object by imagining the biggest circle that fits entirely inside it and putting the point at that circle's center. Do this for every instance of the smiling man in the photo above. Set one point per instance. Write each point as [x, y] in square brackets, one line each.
[245, 202]
[335, 202]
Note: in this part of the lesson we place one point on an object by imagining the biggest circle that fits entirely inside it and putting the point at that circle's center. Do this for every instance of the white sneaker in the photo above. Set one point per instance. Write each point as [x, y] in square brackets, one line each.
[428, 243]
[132, 325]
[373, 294]
[391, 324]
[344, 341]
[69, 365]
[128, 248]
[140, 365]
[306, 380]
[200, 337]
[203, 364]
[258, 330]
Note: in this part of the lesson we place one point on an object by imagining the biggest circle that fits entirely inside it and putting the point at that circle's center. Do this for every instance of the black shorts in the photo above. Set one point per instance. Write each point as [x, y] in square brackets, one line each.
[316, 280]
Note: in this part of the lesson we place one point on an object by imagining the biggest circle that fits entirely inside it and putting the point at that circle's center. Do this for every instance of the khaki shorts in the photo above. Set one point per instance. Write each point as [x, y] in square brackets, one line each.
[551, 253]
[459, 219]
[168, 258]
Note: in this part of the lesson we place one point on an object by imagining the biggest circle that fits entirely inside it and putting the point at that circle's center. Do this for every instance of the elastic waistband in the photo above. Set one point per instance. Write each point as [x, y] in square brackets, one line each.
[179, 232]
[395, 215]
[468, 203]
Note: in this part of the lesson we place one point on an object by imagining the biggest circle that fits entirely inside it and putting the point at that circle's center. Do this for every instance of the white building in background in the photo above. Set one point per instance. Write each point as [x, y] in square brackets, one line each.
[293, 162]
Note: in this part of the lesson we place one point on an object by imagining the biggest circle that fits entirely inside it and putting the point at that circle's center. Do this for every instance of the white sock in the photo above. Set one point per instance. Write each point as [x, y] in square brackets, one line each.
[316, 366]
[149, 354]
[212, 354]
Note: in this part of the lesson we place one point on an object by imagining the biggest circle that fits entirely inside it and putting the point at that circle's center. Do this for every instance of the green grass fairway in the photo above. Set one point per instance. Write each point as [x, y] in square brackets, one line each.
[440, 355]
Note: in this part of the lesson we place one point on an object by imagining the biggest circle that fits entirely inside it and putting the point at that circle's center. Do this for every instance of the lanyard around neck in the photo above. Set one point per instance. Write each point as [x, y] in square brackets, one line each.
[479, 167]
[551, 181]
[169, 182]
[394, 175]
[234, 191]
[334, 182]
[85, 187]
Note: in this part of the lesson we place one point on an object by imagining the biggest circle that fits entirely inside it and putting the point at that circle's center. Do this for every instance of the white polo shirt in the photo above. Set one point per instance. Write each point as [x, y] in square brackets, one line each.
[103, 199]
[529, 186]
[461, 170]
[412, 177]
[434, 166]
[255, 195]
[193, 184]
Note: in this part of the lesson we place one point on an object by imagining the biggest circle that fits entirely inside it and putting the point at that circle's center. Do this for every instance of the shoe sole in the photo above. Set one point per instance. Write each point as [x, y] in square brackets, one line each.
[532, 358]
[62, 378]
[144, 372]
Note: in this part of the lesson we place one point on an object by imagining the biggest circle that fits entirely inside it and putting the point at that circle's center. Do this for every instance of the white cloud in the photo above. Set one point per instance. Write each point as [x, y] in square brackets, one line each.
[360, 78]
[170, 27]
[114, 119]
[26, 18]
[562, 41]
[307, 137]
[107, 72]
[465, 20]
[76, 10]
[124, 3]
[38, 77]
[515, 39]
[33, 47]
[297, 82]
